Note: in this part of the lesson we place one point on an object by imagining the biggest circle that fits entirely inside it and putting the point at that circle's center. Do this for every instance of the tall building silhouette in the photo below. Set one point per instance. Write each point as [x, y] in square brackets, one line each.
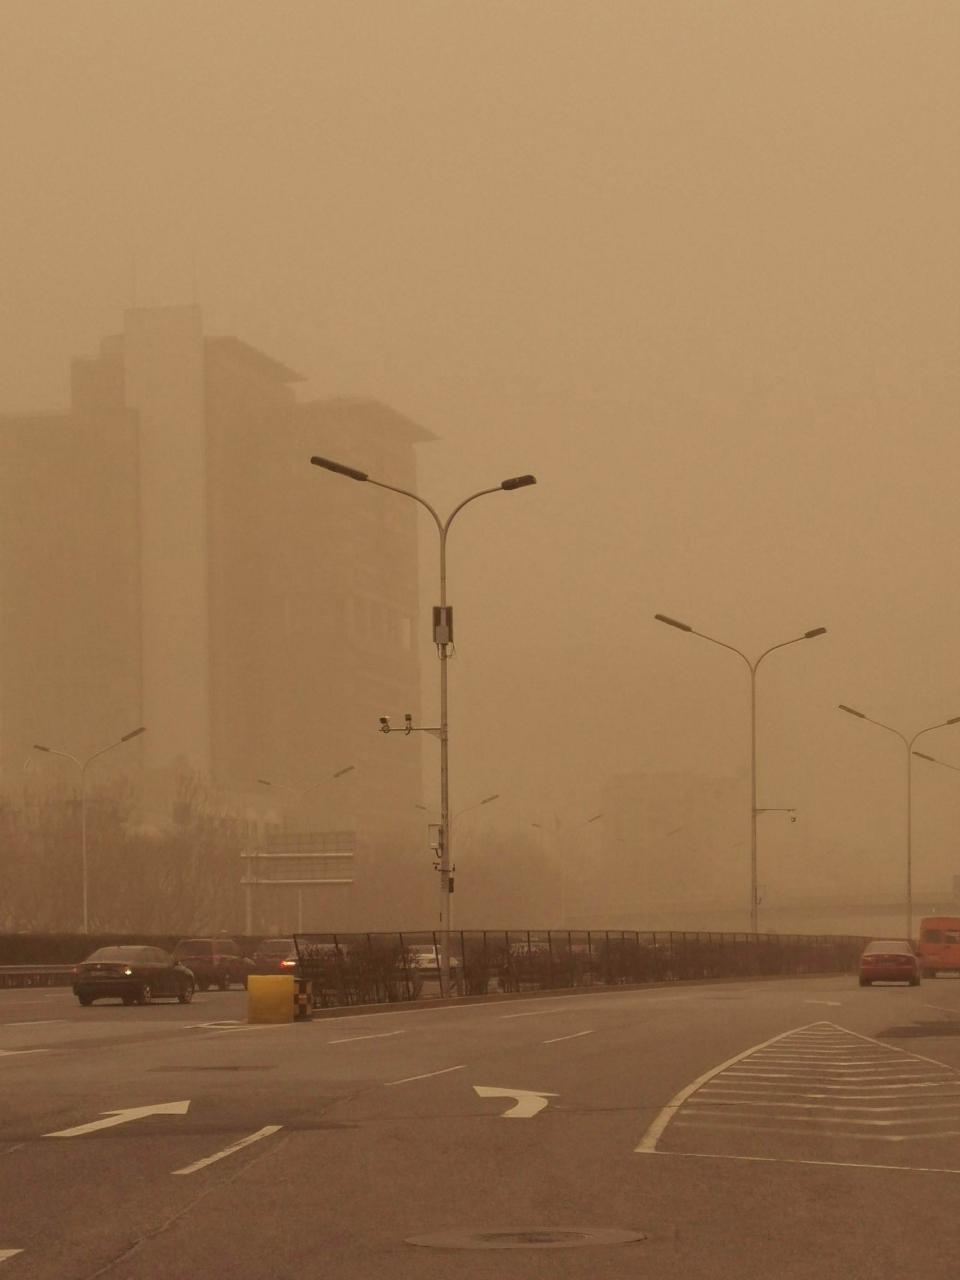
[169, 557]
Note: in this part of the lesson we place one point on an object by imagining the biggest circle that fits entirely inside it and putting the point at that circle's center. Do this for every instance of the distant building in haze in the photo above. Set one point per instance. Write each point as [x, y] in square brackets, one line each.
[169, 557]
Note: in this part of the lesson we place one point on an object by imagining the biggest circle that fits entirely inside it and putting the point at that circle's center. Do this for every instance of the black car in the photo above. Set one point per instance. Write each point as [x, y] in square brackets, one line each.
[214, 962]
[135, 975]
[276, 955]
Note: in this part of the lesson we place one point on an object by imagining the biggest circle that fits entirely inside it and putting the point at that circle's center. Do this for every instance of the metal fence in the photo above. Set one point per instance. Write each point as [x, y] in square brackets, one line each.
[367, 968]
[35, 975]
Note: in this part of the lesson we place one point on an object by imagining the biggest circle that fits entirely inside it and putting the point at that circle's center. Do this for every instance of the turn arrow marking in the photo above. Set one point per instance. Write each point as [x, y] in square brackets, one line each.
[529, 1101]
[8, 1253]
[121, 1117]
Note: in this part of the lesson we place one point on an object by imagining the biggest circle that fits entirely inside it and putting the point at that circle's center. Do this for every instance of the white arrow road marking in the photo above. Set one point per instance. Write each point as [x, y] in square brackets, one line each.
[121, 1117]
[8, 1253]
[529, 1102]
[228, 1151]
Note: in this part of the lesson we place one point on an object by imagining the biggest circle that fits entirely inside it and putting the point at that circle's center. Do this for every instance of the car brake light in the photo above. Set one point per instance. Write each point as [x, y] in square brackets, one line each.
[128, 972]
[287, 964]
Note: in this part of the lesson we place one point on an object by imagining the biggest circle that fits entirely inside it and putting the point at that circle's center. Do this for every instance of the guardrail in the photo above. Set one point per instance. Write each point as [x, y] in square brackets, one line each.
[35, 975]
[350, 969]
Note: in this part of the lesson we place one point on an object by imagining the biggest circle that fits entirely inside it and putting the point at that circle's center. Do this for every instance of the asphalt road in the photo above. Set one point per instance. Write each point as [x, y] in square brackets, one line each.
[798, 1128]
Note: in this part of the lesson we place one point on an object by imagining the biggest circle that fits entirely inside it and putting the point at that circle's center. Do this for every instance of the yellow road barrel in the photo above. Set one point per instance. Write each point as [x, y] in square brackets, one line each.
[270, 998]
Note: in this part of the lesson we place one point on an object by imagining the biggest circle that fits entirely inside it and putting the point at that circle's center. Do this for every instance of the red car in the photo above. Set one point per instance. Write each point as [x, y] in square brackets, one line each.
[889, 960]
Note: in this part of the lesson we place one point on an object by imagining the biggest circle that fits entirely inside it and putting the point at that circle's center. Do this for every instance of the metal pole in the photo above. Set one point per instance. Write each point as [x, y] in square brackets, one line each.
[83, 843]
[249, 888]
[445, 904]
[909, 841]
[753, 798]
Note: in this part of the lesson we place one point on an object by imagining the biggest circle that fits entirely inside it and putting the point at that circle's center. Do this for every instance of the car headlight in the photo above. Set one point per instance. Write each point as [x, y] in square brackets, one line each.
[128, 972]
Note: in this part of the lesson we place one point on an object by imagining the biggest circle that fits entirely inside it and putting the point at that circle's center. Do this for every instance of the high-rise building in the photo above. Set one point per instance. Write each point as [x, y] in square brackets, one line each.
[168, 557]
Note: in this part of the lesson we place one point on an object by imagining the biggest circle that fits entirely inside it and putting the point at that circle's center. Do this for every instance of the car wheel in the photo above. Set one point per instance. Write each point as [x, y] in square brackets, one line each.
[127, 999]
[185, 995]
[86, 1001]
[864, 982]
[915, 982]
[203, 986]
[224, 983]
[146, 994]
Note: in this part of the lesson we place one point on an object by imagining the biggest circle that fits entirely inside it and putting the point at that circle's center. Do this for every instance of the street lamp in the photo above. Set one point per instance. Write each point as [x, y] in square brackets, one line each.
[135, 733]
[299, 798]
[560, 830]
[908, 743]
[442, 638]
[752, 667]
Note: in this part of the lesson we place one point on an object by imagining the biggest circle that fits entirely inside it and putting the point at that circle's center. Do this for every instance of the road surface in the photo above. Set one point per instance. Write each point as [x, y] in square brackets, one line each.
[796, 1128]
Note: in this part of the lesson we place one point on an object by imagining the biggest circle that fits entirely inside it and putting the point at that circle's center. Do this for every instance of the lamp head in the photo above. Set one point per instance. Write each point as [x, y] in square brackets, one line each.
[850, 711]
[672, 622]
[351, 472]
[817, 631]
[134, 733]
[37, 747]
[518, 482]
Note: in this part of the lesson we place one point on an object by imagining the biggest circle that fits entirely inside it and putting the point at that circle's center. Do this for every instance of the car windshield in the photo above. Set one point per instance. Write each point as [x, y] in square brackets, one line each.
[119, 954]
[193, 947]
[888, 947]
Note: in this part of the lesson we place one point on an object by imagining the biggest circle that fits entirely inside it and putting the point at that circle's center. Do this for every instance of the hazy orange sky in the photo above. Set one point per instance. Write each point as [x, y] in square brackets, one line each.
[694, 263]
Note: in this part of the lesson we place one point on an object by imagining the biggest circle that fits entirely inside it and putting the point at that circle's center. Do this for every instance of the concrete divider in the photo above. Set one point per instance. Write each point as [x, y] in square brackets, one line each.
[271, 998]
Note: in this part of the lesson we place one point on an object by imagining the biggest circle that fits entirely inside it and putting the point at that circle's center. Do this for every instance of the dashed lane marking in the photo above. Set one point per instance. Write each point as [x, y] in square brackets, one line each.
[576, 1034]
[374, 1035]
[33, 1022]
[265, 1132]
[833, 1164]
[426, 1075]
[833, 1002]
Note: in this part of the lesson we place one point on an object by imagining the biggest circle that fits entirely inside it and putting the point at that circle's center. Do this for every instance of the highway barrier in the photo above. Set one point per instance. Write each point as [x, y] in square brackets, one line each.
[368, 968]
[36, 975]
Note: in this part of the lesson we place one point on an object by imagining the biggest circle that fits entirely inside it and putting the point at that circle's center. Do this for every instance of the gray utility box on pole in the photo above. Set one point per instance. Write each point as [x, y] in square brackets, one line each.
[443, 624]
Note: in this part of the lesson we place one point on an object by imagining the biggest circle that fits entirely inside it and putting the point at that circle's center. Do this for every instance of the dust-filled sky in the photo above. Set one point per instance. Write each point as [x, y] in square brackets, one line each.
[692, 262]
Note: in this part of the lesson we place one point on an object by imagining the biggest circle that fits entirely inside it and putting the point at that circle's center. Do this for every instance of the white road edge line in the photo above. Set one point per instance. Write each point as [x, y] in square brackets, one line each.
[425, 1076]
[836, 1164]
[557, 1039]
[228, 1151]
[374, 1035]
[648, 1143]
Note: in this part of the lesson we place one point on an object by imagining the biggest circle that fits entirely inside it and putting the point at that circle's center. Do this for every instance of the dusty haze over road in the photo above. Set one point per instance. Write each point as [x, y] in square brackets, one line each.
[695, 265]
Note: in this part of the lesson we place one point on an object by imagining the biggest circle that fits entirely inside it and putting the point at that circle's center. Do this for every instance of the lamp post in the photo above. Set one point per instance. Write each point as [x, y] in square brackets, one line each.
[752, 668]
[558, 830]
[436, 866]
[135, 733]
[908, 743]
[299, 797]
[442, 638]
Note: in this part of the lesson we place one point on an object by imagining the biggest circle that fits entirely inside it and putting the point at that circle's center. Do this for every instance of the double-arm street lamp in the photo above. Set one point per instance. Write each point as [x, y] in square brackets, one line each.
[908, 743]
[752, 668]
[299, 797]
[135, 733]
[442, 638]
[560, 830]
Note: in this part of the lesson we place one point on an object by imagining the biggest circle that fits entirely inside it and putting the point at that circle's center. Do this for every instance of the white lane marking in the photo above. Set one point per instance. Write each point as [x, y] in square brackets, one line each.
[16, 1053]
[8, 1253]
[121, 1117]
[557, 1039]
[536, 1013]
[909, 1052]
[426, 1075]
[528, 1101]
[648, 1143]
[33, 1022]
[375, 1035]
[835, 1164]
[228, 1151]
[945, 1007]
[833, 1002]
